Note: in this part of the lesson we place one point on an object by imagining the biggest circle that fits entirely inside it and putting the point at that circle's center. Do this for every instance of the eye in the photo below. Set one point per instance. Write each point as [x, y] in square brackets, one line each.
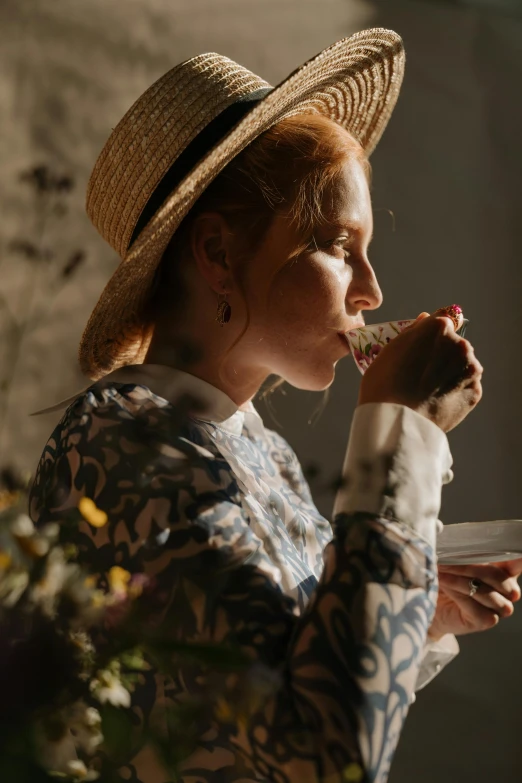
[343, 243]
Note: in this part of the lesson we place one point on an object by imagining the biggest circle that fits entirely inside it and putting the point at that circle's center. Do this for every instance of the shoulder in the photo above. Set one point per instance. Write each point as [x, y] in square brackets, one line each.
[126, 436]
[131, 414]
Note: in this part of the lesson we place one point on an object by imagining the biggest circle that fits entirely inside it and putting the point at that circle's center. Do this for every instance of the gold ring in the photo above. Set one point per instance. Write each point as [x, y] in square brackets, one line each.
[454, 312]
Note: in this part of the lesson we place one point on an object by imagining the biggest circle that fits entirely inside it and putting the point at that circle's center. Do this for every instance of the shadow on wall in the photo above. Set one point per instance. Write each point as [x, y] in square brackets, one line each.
[69, 73]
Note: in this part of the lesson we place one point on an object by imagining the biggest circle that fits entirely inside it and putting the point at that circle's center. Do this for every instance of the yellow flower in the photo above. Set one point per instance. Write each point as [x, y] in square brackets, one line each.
[98, 599]
[352, 773]
[90, 512]
[223, 711]
[118, 579]
[8, 499]
[5, 561]
[107, 687]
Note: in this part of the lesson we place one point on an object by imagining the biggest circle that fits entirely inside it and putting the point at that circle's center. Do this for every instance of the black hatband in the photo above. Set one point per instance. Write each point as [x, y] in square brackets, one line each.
[206, 139]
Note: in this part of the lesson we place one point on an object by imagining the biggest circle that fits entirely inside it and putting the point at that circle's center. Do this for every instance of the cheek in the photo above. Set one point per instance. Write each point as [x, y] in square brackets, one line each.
[306, 290]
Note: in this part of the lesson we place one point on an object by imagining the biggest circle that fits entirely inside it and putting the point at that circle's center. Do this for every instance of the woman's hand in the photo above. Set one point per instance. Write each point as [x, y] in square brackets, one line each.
[459, 613]
[429, 368]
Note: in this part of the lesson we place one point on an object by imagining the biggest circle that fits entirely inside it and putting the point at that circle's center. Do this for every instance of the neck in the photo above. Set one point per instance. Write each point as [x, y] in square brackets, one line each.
[224, 371]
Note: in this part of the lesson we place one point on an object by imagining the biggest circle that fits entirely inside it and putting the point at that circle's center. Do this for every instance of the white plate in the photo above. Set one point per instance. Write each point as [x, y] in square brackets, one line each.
[480, 542]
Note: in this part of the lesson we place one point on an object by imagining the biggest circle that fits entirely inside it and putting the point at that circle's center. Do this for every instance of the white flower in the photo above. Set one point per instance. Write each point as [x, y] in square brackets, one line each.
[85, 723]
[78, 771]
[62, 579]
[81, 732]
[46, 590]
[92, 717]
[51, 531]
[89, 602]
[108, 688]
[55, 756]
[82, 641]
[12, 585]
[22, 526]
[20, 540]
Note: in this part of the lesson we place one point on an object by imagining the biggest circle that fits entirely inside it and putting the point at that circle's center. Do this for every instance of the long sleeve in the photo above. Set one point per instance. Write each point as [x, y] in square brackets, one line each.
[342, 673]
[436, 655]
[396, 462]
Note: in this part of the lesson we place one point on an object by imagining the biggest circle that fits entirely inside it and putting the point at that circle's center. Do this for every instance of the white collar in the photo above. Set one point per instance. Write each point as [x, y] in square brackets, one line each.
[170, 384]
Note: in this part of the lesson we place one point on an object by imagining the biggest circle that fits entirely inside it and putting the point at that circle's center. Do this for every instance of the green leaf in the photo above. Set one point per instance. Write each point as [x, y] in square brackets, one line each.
[212, 655]
[22, 770]
[117, 729]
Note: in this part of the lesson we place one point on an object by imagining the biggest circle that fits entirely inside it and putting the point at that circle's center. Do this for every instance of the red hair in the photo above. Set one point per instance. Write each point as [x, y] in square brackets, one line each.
[286, 169]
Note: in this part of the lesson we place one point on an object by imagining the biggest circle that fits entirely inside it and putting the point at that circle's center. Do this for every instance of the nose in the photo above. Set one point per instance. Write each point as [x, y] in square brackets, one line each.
[364, 292]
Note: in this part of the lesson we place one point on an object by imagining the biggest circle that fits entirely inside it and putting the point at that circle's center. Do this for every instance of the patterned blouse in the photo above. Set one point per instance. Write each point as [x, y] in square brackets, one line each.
[216, 508]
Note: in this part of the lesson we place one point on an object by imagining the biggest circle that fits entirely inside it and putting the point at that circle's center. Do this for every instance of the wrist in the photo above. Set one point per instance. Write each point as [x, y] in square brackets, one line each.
[434, 635]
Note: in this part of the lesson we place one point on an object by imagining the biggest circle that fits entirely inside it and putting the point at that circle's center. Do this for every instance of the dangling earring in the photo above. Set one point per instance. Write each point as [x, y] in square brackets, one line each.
[224, 311]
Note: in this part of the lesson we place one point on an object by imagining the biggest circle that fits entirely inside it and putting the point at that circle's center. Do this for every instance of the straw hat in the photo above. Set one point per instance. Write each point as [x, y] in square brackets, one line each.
[178, 136]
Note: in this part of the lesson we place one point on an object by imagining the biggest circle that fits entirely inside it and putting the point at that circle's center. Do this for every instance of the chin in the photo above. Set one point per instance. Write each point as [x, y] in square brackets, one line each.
[319, 381]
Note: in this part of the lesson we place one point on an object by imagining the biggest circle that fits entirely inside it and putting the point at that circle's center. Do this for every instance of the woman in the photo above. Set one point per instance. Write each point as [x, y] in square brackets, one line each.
[243, 217]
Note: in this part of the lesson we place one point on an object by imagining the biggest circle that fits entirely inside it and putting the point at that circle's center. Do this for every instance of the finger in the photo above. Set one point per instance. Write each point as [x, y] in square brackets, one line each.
[461, 368]
[448, 321]
[512, 567]
[414, 323]
[490, 574]
[479, 616]
[453, 361]
[485, 595]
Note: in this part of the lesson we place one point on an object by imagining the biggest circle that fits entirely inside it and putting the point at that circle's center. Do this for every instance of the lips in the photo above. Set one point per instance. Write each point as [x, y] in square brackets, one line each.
[353, 326]
[346, 344]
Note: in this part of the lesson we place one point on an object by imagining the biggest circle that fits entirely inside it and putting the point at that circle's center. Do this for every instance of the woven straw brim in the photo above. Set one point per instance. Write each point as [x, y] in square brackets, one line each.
[355, 82]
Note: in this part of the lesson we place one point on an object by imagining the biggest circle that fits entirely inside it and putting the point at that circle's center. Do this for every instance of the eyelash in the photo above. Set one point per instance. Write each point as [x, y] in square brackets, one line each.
[339, 243]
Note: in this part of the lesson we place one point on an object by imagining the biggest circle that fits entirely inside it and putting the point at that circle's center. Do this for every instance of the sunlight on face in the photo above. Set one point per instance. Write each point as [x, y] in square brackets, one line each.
[299, 306]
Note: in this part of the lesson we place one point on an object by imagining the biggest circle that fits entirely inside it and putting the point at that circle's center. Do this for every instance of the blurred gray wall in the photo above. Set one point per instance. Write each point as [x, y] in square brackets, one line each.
[449, 168]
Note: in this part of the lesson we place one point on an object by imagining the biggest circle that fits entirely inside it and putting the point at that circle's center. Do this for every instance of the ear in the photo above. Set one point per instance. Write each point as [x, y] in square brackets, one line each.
[211, 246]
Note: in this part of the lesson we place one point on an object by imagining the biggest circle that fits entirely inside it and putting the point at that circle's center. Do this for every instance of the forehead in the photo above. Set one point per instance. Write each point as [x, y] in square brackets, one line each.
[345, 206]
[347, 200]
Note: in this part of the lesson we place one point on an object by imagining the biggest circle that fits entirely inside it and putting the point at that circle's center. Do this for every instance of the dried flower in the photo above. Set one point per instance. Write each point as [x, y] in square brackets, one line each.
[73, 263]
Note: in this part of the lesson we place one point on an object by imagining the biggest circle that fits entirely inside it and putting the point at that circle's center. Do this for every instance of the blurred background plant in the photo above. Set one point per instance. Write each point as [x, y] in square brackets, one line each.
[73, 647]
